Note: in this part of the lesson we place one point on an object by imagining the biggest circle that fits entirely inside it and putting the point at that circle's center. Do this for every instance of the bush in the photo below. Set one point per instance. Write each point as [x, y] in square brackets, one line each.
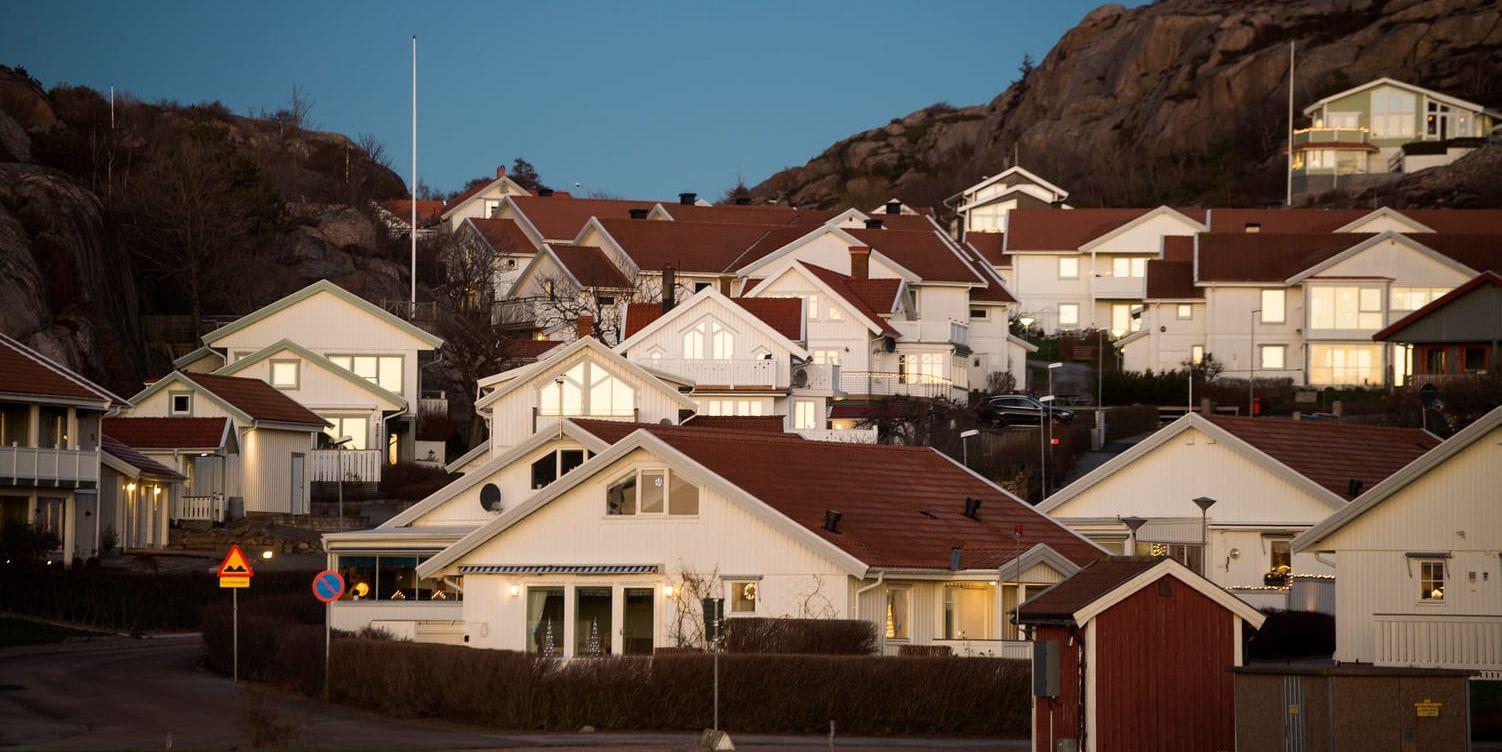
[925, 651]
[409, 481]
[1293, 634]
[800, 636]
[863, 694]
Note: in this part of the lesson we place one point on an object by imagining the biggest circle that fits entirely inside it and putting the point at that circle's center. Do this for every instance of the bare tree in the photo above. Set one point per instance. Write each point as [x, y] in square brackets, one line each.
[563, 302]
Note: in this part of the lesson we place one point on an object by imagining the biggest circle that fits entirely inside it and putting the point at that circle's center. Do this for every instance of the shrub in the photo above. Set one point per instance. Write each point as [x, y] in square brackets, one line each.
[800, 636]
[1293, 634]
[409, 481]
[925, 651]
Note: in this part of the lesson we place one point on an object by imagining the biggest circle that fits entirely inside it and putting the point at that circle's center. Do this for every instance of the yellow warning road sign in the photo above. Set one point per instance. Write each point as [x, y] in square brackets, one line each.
[235, 572]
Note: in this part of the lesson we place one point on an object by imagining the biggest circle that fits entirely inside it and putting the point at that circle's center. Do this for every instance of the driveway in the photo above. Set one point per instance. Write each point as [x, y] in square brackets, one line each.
[117, 692]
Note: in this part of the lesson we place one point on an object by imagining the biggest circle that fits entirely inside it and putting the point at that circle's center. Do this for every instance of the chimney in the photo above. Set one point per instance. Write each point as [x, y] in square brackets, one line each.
[894, 207]
[873, 224]
[954, 559]
[832, 520]
[742, 200]
[860, 262]
[669, 288]
[972, 508]
[727, 282]
[500, 172]
[638, 213]
[544, 192]
[1353, 487]
[585, 326]
[688, 199]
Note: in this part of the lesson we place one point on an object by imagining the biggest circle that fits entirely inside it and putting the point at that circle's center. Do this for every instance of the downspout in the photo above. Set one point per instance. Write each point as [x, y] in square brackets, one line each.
[1080, 719]
[881, 576]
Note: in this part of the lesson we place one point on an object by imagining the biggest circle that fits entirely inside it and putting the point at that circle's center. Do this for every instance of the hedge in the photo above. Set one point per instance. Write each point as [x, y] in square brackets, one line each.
[800, 636]
[515, 691]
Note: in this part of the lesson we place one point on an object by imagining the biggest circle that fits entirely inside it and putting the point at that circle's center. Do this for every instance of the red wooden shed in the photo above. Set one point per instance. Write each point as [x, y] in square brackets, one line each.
[1131, 653]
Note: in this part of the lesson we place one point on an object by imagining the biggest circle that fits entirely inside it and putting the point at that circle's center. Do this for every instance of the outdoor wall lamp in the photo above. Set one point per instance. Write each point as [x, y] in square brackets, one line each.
[514, 590]
[667, 591]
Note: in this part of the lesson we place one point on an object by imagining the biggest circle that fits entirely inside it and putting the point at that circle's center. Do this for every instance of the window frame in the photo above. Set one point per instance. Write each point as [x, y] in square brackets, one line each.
[1425, 581]
[1196, 354]
[1263, 350]
[1282, 305]
[668, 475]
[1180, 312]
[172, 398]
[1075, 317]
[1073, 261]
[812, 407]
[339, 359]
[906, 621]
[734, 588]
[296, 373]
[586, 384]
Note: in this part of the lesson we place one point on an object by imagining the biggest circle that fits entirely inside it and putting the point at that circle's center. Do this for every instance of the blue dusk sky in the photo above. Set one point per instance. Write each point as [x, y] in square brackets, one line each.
[641, 100]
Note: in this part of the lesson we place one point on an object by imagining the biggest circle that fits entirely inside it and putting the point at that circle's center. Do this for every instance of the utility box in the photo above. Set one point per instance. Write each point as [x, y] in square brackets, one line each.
[1046, 668]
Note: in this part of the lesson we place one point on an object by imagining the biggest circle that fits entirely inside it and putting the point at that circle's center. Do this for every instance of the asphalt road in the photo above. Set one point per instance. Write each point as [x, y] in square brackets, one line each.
[122, 693]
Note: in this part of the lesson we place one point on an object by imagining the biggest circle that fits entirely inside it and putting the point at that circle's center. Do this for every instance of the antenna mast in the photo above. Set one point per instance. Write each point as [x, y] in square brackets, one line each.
[412, 229]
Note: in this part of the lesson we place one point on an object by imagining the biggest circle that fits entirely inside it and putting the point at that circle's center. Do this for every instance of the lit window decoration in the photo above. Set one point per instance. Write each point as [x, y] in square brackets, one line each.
[361, 590]
[748, 592]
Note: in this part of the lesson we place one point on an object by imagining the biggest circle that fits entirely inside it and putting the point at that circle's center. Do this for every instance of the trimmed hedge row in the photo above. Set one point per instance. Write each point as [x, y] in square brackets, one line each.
[800, 636]
[758, 693]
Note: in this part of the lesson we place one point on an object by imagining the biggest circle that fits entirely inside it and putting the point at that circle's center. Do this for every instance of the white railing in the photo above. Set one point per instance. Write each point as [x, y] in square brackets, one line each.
[847, 435]
[55, 466]
[823, 378]
[210, 508]
[1331, 135]
[432, 403]
[1015, 649]
[1134, 288]
[948, 332]
[887, 384]
[1438, 641]
[729, 373]
[352, 465]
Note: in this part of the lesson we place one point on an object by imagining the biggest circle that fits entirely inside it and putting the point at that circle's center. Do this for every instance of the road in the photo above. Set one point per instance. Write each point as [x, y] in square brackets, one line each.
[117, 692]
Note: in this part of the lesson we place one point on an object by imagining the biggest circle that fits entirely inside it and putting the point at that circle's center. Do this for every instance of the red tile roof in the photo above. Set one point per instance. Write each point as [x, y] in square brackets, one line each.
[1330, 453]
[989, 245]
[752, 214]
[872, 297]
[757, 423]
[702, 247]
[1060, 602]
[924, 253]
[1479, 252]
[257, 399]
[639, 316]
[785, 315]
[1068, 229]
[994, 291]
[503, 235]
[1261, 257]
[168, 433]
[902, 507]
[1284, 221]
[401, 208]
[24, 371]
[529, 349]
[125, 453]
[590, 266]
[1172, 280]
[1458, 221]
[1391, 332]
[561, 218]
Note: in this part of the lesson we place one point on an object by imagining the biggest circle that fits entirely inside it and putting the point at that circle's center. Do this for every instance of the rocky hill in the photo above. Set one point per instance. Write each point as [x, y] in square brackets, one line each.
[1181, 101]
[112, 220]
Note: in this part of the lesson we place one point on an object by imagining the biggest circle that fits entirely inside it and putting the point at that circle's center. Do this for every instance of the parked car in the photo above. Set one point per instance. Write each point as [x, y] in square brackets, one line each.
[1020, 409]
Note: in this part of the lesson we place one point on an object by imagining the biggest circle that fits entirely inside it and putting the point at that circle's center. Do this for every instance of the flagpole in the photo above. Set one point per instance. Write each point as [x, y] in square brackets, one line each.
[1288, 197]
[412, 228]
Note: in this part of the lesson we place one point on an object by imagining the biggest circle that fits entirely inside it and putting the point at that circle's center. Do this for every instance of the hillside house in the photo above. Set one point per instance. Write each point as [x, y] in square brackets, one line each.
[984, 208]
[481, 201]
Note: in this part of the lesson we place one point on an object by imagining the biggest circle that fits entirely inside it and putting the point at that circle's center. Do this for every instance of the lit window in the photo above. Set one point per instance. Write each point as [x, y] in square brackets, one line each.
[1273, 306]
[587, 389]
[1280, 553]
[1271, 355]
[182, 403]
[1069, 267]
[384, 371]
[1393, 113]
[708, 339]
[652, 492]
[356, 428]
[1432, 580]
[1185, 311]
[1414, 298]
[284, 374]
[1345, 307]
[1197, 354]
[1331, 365]
[734, 407]
[827, 357]
[921, 368]
[1121, 266]
[1069, 314]
[968, 609]
[742, 595]
[805, 415]
[393, 578]
[897, 614]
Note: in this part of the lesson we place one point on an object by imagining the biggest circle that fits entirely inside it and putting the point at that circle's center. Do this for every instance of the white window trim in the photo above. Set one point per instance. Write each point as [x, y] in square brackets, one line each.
[1060, 267]
[1180, 309]
[726, 592]
[1076, 321]
[1262, 351]
[1265, 316]
[667, 486]
[296, 373]
[172, 403]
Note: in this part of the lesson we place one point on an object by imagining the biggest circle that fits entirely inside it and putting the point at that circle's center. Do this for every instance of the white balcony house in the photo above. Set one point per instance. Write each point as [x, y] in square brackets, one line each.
[933, 332]
[729, 373]
[49, 467]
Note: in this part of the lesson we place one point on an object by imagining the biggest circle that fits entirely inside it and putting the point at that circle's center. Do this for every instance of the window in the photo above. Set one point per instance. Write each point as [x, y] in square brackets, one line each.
[491, 207]
[1414, 298]
[182, 403]
[1432, 580]
[1342, 119]
[968, 609]
[650, 492]
[592, 620]
[605, 300]
[1393, 113]
[384, 371]
[827, 357]
[835, 314]
[392, 578]
[708, 339]
[1345, 308]
[54, 427]
[920, 368]
[742, 594]
[897, 615]
[1473, 358]
[805, 415]
[1188, 554]
[1185, 311]
[1069, 314]
[587, 389]
[554, 465]
[356, 428]
[1280, 553]
[1434, 360]
[284, 374]
[1196, 354]
[545, 620]
[734, 406]
[1124, 266]
[1272, 306]
[1271, 356]
[15, 424]
[1345, 364]
[979, 314]
[1125, 317]
[1069, 267]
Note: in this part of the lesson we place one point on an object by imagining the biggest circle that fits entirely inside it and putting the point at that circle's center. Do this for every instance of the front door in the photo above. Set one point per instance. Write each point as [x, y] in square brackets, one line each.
[638, 628]
[299, 495]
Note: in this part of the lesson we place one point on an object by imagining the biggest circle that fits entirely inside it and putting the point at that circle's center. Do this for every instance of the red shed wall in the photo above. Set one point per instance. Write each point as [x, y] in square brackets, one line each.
[1063, 710]
[1161, 683]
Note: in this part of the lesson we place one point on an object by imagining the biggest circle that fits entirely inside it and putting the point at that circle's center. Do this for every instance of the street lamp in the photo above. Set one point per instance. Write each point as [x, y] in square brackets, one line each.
[1133, 523]
[965, 444]
[1251, 364]
[1204, 503]
[1045, 440]
[339, 470]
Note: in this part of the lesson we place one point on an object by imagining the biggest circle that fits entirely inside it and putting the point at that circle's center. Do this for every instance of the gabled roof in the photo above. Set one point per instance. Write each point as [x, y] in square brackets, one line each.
[561, 218]
[1109, 580]
[27, 373]
[587, 266]
[251, 400]
[744, 214]
[321, 285]
[758, 423]
[503, 235]
[1282, 221]
[1062, 229]
[170, 433]
[1321, 457]
[1489, 248]
[991, 246]
[508, 381]
[197, 355]
[1397, 481]
[1383, 212]
[869, 299]
[926, 253]
[1195, 217]
[1262, 257]
[889, 522]
[1172, 280]
[1390, 333]
[1029, 175]
[132, 463]
[995, 290]
[469, 195]
[1386, 81]
[400, 210]
[777, 318]
[309, 356]
[693, 247]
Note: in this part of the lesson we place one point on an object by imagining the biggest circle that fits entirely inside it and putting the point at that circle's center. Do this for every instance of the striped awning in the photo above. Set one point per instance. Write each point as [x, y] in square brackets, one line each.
[585, 569]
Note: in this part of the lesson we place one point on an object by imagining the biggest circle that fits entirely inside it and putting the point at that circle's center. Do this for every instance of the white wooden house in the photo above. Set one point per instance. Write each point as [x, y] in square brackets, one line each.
[205, 451]
[481, 201]
[1416, 558]
[136, 496]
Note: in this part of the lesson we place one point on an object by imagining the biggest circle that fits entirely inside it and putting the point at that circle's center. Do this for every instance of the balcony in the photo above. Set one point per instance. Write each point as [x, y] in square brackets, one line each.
[349, 465]
[55, 468]
[1318, 137]
[1020, 650]
[1121, 288]
[1438, 641]
[421, 311]
[433, 405]
[724, 374]
[845, 435]
[883, 384]
[945, 332]
[817, 378]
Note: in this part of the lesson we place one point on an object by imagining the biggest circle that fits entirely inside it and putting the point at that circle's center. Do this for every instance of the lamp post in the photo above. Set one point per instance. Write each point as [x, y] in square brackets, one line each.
[1251, 364]
[1133, 523]
[1204, 503]
[965, 444]
[339, 470]
[1046, 415]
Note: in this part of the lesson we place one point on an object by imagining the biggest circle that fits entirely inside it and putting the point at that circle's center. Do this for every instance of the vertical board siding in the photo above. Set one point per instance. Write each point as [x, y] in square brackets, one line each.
[1059, 718]
[267, 460]
[511, 421]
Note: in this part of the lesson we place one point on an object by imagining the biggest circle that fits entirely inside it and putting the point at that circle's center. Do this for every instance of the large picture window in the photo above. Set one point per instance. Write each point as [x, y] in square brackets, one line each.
[1414, 298]
[652, 491]
[1351, 308]
[356, 428]
[393, 577]
[921, 368]
[1394, 113]
[545, 621]
[384, 371]
[1345, 364]
[968, 610]
[586, 389]
[708, 339]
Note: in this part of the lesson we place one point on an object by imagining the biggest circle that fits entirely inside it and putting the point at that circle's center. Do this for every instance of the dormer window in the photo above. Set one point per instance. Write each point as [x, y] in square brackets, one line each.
[652, 491]
[182, 403]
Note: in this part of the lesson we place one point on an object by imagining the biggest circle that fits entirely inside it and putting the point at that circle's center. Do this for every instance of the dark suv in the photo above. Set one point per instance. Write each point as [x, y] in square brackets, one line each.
[1020, 409]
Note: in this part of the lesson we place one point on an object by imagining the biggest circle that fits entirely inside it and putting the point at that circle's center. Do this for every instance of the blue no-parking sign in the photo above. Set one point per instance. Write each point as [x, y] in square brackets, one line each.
[328, 586]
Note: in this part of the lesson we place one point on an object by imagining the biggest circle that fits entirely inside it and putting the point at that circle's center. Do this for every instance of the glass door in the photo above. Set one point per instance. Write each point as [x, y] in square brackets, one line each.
[638, 629]
[592, 627]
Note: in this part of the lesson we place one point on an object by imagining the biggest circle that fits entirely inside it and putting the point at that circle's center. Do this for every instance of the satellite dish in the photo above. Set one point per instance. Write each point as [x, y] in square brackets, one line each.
[490, 497]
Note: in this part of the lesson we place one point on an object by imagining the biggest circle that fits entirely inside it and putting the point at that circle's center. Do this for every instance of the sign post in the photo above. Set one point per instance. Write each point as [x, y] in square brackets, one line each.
[328, 585]
[235, 573]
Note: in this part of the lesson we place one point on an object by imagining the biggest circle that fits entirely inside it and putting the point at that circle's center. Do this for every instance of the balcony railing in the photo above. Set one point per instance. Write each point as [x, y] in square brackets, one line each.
[982, 648]
[1330, 136]
[349, 465]
[208, 508]
[432, 404]
[1130, 288]
[723, 373]
[55, 467]
[821, 378]
[885, 384]
[950, 332]
[419, 311]
[1439, 641]
[847, 435]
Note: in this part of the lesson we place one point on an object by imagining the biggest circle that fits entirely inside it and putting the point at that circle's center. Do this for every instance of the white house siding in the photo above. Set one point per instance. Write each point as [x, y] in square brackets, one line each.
[723, 541]
[667, 342]
[513, 480]
[159, 405]
[1229, 327]
[992, 350]
[1450, 509]
[328, 394]
[267, 461]
[1251, 501]
[1040, 291]
[829, 251]
[476, 208]
[846, 335]
[512, 419]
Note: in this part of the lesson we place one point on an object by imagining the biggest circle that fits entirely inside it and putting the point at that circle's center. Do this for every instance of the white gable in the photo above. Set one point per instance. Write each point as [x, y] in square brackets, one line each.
[1384, 221]
[1392, 258]
[514, 481]
[324, 323]
[321, 387]
[1145, 235]
[829, 250]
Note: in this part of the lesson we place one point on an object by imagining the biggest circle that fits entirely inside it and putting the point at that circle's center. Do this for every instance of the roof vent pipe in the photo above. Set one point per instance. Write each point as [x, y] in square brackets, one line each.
[669, 288]
[688, 199]
[872, 223]
[638, 213]
[742, 200]
[894, 207]
[972, 508]
[544, 192]
[832, 520]
[1353, 487]
[954, 559]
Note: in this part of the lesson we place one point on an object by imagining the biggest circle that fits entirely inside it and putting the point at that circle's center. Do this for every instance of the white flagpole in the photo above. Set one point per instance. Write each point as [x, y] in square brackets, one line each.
[412, 229]
[1288, 197]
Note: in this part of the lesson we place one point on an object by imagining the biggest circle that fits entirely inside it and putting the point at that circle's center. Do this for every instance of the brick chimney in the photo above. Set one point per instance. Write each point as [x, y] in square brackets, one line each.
[860, 262]
[500, 172]
[727, 282]
[669, 288]
[585, 326]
